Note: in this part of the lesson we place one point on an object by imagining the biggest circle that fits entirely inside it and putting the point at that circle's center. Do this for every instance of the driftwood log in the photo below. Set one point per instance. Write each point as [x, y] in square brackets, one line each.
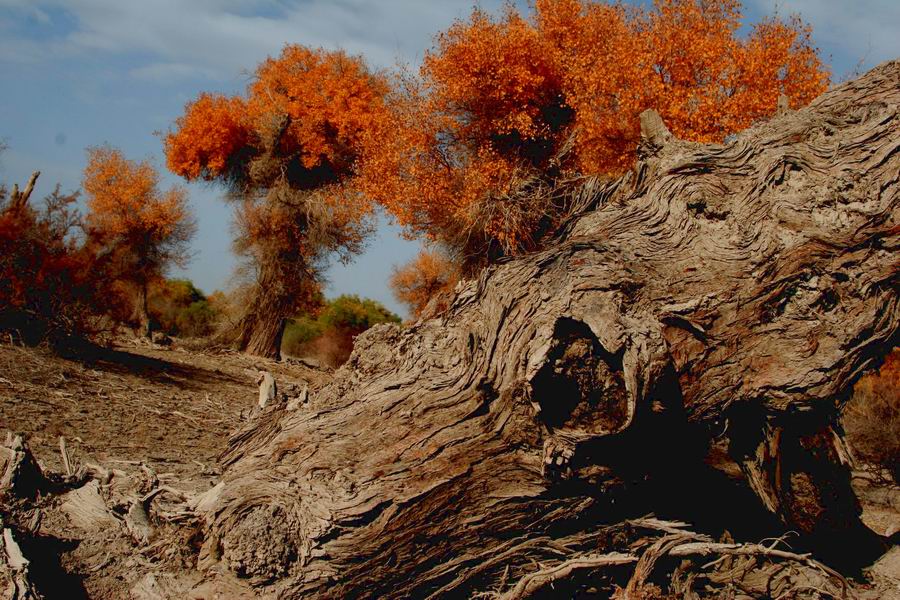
[715, 297]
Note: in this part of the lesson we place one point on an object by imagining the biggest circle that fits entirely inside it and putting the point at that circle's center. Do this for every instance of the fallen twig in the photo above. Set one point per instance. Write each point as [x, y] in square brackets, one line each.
[532, 582]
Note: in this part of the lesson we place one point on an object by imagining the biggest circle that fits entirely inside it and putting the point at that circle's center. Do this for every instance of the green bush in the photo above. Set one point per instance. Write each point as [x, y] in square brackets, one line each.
[197, 320]
[328, 336]
[299, 331]
[179, 308]
[355, 313]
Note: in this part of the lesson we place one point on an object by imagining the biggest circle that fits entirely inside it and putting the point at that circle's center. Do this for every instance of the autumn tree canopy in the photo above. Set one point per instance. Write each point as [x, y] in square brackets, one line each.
[286, 150]
[504, 106]
[146, 229]
[430, 273]
[469, 153]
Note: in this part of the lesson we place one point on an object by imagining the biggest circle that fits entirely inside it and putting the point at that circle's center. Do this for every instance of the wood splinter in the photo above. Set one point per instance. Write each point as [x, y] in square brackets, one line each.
[65, 456]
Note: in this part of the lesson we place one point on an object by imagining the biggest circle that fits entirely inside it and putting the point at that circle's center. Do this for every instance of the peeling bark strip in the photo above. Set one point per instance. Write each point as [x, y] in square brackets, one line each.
[736, 289]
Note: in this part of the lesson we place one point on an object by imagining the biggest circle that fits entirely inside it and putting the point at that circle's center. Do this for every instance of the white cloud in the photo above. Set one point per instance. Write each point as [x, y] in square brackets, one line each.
[170, 72]
[223, 38]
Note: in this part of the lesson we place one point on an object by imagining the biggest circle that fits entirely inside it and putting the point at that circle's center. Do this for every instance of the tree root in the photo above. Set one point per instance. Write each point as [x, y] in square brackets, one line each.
[533, 582]
[765, 564]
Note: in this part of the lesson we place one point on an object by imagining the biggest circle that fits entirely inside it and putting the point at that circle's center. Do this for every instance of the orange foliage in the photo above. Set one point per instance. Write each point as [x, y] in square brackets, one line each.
[125, 200]
[872, 417]
[144, 229]
[684, 59]
[54, 283]
[489, 103]
[287, 149]
[308, 109]
[208, 136]
[329, 98]
[426, 276]
[497, 100]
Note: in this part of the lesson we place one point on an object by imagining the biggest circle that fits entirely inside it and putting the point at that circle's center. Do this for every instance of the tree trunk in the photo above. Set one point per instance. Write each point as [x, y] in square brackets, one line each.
[261, 327]
[143, 311]
[715, 296]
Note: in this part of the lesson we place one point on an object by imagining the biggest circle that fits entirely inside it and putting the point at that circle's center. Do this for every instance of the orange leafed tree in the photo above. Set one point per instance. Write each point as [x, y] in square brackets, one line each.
[485, 112]
[683, 58]
[144, 228]
[505, 107]
[56, 284]
[415, 284]
[286, 151]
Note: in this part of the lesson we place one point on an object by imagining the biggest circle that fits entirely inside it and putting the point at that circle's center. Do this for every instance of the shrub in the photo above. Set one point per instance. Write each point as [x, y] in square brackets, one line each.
[300, 331]
[430, 274]
[179, 308]
[55, 283]
[872, 417]
[328, 336]
[354, 314]
[197, 320]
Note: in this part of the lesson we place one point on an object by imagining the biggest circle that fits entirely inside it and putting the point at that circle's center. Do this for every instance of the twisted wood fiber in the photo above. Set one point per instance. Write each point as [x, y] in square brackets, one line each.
[738, 288]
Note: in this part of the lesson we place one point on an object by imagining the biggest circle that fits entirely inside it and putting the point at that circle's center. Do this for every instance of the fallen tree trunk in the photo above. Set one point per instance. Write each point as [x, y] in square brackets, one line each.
[716, 296]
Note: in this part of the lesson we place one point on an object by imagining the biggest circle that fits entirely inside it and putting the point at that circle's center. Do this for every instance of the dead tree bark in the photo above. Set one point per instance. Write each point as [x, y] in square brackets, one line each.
[727, 292]
[19, 200]
[142, 309]
[261, 328]
[14, 568]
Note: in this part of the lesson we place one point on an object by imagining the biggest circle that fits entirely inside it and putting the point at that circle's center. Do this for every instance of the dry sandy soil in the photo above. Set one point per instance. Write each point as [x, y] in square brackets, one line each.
[137, 405]
[170, 408]
[141, 408]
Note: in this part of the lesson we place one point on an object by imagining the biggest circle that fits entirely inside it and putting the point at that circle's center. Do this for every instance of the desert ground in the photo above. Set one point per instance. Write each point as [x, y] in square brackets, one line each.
[137, 408]
[165, 413]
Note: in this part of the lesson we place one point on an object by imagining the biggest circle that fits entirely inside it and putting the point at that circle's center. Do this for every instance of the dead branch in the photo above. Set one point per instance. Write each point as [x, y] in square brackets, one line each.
[533, 582]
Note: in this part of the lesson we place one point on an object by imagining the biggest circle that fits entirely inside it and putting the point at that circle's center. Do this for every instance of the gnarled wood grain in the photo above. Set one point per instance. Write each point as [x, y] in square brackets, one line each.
[730, 291]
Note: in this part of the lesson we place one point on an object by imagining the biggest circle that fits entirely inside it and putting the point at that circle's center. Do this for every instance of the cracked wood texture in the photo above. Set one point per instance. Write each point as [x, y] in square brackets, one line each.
[716, 294]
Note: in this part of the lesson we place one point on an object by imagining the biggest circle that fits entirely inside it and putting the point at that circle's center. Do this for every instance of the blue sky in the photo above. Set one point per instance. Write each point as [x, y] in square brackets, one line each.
[77, 73]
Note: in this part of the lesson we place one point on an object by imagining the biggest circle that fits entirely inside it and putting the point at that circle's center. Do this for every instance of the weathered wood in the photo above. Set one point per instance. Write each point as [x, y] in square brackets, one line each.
[531, 583]
[267, 389]
[64, 454]
[86, 508]
[15, 567]
[18, 199]
[14, 557]
[653, 129]
[269, 302]
[716, 292]
[138, 523]
[21, 475]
